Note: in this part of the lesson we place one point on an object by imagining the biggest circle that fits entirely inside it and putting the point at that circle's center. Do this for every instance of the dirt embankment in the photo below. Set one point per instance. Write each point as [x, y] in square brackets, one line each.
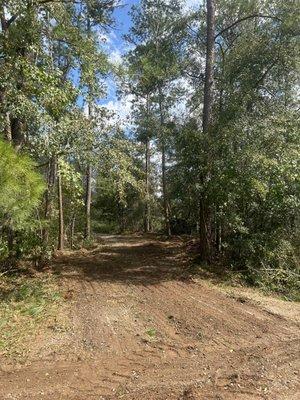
[138, 329]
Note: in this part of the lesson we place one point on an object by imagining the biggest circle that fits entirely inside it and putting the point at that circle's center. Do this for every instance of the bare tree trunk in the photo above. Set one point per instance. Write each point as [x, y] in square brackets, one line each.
[88, 186]
[219, 237]
[60, 213]
[147, 172]
[147, 226]
[121, 215]
[164, 186]
[88, 200]
[72, 231]
[49, 197]
[163, 168]
[204, 228]
[88, 192]
[204, 231]
[4, 28]
[7, 129]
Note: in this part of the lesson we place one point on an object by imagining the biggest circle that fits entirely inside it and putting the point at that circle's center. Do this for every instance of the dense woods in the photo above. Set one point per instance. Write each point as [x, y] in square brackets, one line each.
[211, 147]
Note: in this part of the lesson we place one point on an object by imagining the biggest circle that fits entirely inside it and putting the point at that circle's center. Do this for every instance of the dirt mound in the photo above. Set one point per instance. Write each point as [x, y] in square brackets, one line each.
[138, 330]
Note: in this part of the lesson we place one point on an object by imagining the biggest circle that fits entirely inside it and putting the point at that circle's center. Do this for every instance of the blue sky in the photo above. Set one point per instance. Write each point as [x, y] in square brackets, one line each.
[122, 19]
[115, 45]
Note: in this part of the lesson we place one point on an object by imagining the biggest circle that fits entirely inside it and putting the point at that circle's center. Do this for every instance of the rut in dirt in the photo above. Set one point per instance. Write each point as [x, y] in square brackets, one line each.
[140, 328]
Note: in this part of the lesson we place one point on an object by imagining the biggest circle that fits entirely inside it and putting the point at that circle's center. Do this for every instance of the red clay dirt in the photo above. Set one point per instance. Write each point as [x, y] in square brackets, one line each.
[140, 330]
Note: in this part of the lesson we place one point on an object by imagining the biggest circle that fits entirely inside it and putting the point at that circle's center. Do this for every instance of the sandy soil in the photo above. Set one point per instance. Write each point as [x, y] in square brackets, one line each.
[139, 329]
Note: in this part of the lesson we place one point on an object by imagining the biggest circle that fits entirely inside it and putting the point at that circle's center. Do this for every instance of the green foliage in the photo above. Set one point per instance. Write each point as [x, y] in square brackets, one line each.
[72, 184]
[119, 187]
[21, 188]
[151, 333]
[250, 156]
[43, 44]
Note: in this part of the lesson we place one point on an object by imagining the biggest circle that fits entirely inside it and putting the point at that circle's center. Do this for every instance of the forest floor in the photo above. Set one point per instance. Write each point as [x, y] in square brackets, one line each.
[136, 326]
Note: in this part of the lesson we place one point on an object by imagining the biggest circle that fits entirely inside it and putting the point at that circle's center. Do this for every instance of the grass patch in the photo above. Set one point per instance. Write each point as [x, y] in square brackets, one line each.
[284, 284]
[151, 333]
[25, 304]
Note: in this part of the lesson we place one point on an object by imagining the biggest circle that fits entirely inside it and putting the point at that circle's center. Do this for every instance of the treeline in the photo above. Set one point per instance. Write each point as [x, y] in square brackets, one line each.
[212, 148]
[215, 95]
[54, 135]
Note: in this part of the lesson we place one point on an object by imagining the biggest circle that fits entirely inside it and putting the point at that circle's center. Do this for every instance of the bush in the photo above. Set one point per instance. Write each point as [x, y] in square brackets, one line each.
[268, 261]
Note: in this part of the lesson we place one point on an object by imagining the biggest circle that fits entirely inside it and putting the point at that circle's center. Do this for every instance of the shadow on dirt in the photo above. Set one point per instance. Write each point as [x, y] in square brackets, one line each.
[131, 259]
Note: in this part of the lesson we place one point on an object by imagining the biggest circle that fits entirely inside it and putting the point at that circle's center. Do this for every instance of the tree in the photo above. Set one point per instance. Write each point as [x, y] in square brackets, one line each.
[44, 44]
[157, 32]
[204, 223]
[120, 185]
[254, 73]
[21, 188]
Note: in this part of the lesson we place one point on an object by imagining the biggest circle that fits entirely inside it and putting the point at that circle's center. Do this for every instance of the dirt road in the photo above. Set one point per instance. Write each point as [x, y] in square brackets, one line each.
[139, 330]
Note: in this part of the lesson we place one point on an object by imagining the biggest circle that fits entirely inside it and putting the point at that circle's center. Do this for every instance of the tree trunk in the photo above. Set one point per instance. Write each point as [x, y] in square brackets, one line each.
[88, 176]
[4, 28]
[72, 230]
[164, 187]
[60, 213]
[209, 67]
[147, 225]
[147, 172]
[121, 215]
[204, 228]
[163, 168]
[17, 133]
[219, 237]
[88, 188]
[88, 200]
[49, 198]
[204, 232]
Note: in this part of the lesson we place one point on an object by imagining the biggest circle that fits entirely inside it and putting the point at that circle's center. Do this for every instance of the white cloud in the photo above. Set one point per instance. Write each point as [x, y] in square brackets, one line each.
[115, 57]
[192, 4]
[107, 38]
[122, 110]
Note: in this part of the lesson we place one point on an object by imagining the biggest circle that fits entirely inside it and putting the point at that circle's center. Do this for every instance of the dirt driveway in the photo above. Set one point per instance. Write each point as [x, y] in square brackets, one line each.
[139, 330]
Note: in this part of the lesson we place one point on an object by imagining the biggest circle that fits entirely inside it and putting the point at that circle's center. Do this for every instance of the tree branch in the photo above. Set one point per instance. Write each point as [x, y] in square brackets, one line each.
[11, 20]
[244, 19]
[262, 78]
